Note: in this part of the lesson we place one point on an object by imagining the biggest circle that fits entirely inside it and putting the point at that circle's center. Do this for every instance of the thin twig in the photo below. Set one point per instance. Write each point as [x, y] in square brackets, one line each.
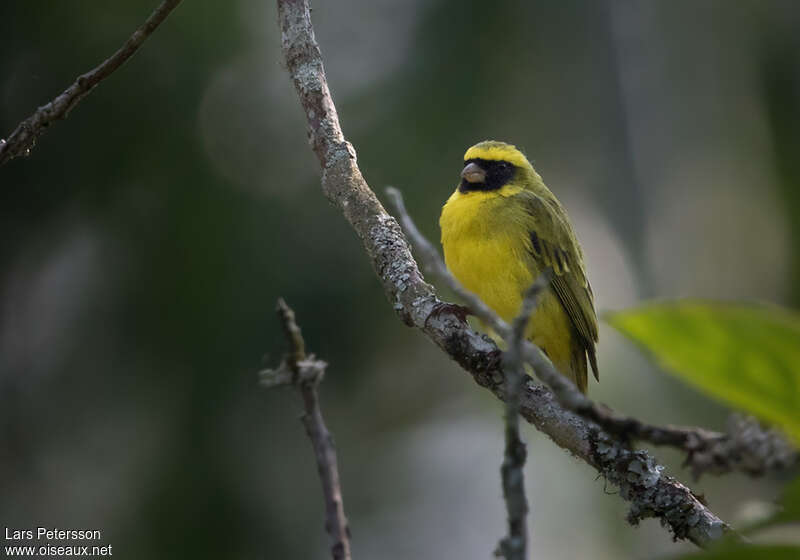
[21, 141]
[306, 373]
[639, 478]
[752, 451]
[514, 546]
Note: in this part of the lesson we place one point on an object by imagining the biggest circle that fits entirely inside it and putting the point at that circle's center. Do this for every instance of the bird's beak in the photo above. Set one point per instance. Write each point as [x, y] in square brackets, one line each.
[473, 173]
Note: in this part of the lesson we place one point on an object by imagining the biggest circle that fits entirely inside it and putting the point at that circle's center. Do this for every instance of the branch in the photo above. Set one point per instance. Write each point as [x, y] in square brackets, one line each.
[306, 373]
[746, 447]
[639, 477]
[514, 546]
[22, 139]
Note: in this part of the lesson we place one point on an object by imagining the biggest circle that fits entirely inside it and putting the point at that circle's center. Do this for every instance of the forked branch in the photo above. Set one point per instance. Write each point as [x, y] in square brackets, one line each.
[305, 373]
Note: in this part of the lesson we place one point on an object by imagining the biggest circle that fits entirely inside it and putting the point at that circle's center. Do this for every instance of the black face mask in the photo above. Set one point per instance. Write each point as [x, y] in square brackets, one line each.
[498, 173]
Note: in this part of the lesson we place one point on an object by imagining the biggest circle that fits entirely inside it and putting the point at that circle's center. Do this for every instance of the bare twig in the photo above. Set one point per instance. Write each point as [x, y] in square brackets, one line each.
[639, 477]
[432, 262]
[305, 373]
[514, 545]
[22, 139]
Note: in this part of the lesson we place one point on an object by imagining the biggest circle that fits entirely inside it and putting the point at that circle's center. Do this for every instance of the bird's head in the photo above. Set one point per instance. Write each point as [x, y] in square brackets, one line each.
[491, 165]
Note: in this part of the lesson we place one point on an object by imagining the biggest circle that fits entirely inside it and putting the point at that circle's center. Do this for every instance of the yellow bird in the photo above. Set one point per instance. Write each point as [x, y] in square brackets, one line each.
[501, 228]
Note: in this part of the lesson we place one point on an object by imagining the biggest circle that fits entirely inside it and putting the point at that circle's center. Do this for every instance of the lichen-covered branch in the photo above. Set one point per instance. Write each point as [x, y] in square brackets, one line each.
[22, 139]
[305, 372]
[613, 458]
[745, 447]
[650, 492]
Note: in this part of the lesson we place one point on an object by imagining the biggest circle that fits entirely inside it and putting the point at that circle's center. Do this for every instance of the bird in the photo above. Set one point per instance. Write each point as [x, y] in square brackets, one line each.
[500, 229]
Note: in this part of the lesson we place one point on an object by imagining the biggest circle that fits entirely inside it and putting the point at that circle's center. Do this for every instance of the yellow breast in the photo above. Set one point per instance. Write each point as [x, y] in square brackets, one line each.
[486, 243]
[485, 247]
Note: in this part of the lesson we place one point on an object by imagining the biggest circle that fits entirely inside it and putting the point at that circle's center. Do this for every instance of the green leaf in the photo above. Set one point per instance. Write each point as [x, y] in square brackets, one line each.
[747, 355]
[745, 552]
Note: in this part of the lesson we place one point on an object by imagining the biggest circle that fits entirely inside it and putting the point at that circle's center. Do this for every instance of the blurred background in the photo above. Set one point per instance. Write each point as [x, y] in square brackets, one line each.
[145, 241]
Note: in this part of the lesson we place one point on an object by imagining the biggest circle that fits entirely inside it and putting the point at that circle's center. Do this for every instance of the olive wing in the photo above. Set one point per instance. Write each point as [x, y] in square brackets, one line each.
[553, 244]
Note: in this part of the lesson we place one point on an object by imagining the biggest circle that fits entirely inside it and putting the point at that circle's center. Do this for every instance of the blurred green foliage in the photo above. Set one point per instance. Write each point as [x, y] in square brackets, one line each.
[745, 355]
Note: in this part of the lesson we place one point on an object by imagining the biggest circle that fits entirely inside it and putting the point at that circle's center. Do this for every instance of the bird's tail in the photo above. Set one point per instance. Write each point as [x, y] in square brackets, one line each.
[579, 368]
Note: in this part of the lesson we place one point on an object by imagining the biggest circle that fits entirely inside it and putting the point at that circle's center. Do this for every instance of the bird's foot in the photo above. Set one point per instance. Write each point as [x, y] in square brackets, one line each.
[460, 311]
[495, 360]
